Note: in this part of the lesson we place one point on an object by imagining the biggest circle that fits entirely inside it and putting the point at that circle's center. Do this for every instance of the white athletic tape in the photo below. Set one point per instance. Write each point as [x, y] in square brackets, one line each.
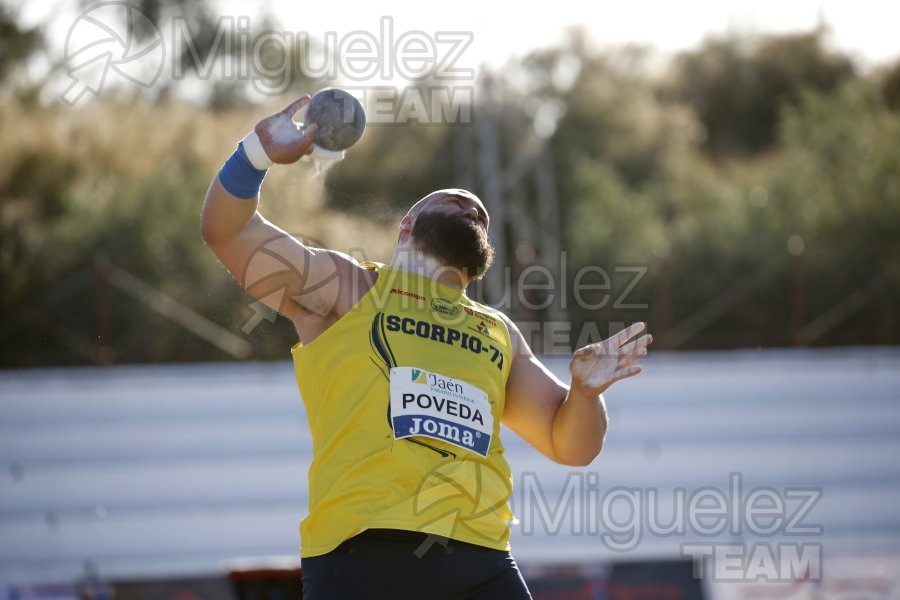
[322, 153]
[256, 154]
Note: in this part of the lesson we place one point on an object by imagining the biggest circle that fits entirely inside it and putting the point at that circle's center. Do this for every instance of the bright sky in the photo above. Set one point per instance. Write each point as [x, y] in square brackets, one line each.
[865, 28]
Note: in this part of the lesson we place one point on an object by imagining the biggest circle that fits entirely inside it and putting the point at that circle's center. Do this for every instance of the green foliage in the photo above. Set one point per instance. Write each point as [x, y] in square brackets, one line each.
[74, 193]
[392, 167]
[737, 86]
[17, 44]
[839, 192]
[780, 225]
[890, 86]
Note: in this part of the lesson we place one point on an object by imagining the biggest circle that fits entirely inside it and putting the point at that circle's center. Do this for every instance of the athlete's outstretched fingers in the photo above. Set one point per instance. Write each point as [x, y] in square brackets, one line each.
[630, 372]
[292, 108]
[638, 344]
[626, 334]
[627, 360]
[612, 344]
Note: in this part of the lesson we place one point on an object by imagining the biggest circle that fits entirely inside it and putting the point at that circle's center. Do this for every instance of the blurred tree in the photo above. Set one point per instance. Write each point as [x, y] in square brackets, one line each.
[75, 187]
[726, 248]
[837, 192]
[405, 152]
[16, 43]
[890, 86]
[603, 105]
[390, 169]
[612, 137]
[737, 85]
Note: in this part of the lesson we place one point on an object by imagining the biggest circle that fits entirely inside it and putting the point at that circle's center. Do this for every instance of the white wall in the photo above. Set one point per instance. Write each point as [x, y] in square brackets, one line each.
[170, 470]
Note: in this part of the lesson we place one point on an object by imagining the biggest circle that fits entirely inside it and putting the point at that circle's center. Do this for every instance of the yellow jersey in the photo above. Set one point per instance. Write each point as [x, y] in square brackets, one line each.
[404, 396]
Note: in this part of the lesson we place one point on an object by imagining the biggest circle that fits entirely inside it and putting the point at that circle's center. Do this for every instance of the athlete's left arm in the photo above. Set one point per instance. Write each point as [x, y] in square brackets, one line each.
[568, 423]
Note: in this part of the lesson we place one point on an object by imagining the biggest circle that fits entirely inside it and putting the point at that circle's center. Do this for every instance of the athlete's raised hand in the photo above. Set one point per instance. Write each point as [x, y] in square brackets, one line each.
[597, 366]
[282, 138]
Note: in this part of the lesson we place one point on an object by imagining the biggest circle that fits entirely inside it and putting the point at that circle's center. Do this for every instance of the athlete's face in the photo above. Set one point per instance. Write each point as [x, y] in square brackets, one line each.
[453, 229]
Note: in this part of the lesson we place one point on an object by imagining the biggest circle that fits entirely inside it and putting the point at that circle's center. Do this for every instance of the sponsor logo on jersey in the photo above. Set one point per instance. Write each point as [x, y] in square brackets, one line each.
[451, 336]
[481, 328]
[481, 315]
[429, 404]
[432, 331]
[444, 307]
[403, 292]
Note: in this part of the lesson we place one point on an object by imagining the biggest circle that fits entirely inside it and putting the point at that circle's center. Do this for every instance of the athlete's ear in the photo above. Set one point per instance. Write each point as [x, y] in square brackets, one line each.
[406, 225]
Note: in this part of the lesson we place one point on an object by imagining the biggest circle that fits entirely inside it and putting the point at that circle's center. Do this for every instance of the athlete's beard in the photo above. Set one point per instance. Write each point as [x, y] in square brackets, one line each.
[454, 241]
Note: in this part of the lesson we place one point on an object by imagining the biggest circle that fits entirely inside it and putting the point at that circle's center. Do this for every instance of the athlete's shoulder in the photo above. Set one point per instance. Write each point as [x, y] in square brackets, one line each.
[486, 310]
[516, 339]
[371, 265]
[491, 315]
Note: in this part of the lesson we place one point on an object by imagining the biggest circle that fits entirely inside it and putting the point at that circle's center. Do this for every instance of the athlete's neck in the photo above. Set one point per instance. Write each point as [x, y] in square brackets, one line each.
[412, 260]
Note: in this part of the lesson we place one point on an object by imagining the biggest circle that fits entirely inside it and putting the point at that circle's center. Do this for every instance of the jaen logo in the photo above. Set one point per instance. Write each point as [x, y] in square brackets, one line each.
[419, 376]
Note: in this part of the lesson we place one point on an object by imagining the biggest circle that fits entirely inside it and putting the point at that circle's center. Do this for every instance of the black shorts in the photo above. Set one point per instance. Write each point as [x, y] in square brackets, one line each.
[395, 564]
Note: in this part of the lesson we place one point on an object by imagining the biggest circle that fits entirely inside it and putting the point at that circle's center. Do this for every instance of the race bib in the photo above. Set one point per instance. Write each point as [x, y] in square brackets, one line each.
[425, 403]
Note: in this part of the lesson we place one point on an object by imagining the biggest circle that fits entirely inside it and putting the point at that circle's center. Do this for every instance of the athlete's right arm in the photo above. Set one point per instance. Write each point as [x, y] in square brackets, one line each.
[272, 265]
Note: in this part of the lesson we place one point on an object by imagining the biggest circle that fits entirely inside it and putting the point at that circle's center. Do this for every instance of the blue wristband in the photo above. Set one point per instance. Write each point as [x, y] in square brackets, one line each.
[239, 177]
